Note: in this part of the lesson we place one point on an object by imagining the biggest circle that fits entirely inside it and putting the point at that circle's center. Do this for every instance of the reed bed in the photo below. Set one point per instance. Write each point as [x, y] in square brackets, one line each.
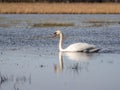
[60, 8]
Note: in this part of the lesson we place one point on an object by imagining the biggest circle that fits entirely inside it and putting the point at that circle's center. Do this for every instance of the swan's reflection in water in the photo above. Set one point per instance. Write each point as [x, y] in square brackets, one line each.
[77, 57]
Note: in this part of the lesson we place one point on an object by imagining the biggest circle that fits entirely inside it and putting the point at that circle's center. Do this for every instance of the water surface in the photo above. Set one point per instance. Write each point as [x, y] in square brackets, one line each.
[29, 57]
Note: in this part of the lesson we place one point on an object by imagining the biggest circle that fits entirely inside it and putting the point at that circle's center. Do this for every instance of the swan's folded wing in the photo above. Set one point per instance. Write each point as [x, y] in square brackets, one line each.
[80, 47]
[91, 50]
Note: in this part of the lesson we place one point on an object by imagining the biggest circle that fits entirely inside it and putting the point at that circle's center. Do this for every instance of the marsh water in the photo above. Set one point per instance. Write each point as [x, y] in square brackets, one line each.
[30, 60]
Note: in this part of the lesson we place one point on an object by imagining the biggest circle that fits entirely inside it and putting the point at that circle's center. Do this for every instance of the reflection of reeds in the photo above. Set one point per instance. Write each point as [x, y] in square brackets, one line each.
[78, 67]
[2, 79]
[16, 80]
[74, 8]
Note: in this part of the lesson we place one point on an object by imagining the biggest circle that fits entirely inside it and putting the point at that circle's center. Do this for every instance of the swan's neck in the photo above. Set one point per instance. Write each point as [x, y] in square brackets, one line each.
[60, 42]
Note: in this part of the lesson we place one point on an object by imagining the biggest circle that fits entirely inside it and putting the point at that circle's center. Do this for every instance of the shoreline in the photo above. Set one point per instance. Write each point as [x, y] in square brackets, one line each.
[59, 8]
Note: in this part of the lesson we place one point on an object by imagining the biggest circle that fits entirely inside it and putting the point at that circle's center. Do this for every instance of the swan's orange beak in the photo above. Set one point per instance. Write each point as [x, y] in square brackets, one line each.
[54, 35]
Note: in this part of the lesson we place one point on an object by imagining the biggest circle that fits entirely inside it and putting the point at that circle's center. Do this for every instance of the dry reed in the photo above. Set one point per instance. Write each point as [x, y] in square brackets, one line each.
[60, 8]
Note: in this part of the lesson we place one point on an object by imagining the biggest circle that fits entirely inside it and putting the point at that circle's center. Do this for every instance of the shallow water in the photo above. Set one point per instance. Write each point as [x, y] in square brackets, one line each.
[29, 57]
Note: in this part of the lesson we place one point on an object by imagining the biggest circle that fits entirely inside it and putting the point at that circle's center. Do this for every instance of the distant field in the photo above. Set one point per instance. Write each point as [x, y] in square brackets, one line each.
[60, 8]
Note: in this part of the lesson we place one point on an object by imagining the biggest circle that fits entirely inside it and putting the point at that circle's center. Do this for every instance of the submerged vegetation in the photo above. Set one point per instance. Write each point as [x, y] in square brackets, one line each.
[52, 24]
[99, 23]
[102, 21]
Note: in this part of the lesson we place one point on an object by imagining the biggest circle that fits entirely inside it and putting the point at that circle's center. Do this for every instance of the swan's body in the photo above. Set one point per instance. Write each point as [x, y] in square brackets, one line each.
[76, 47]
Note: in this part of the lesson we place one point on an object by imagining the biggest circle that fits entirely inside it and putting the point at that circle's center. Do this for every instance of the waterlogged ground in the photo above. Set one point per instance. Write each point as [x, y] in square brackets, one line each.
[29, 57]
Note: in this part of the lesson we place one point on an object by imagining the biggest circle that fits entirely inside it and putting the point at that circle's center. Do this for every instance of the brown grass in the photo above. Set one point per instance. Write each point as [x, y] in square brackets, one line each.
[60, 8]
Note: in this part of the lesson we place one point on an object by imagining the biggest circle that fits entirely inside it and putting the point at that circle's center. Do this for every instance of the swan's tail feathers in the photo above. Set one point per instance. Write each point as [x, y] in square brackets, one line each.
[91, 50]
[95, 50]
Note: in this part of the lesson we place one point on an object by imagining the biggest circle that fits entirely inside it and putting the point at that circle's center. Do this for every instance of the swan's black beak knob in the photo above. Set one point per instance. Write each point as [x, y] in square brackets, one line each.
[54, 35]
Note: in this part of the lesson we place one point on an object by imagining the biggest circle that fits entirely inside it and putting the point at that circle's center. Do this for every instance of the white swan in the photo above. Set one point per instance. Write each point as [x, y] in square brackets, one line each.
[76, 47]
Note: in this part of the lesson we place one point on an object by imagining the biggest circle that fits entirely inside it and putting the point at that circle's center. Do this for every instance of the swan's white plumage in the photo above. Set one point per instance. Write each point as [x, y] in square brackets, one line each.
[79, 47]
[76, 47]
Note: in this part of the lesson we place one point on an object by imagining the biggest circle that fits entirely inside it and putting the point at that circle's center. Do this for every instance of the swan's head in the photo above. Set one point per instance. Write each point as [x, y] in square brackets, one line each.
[57, 33]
